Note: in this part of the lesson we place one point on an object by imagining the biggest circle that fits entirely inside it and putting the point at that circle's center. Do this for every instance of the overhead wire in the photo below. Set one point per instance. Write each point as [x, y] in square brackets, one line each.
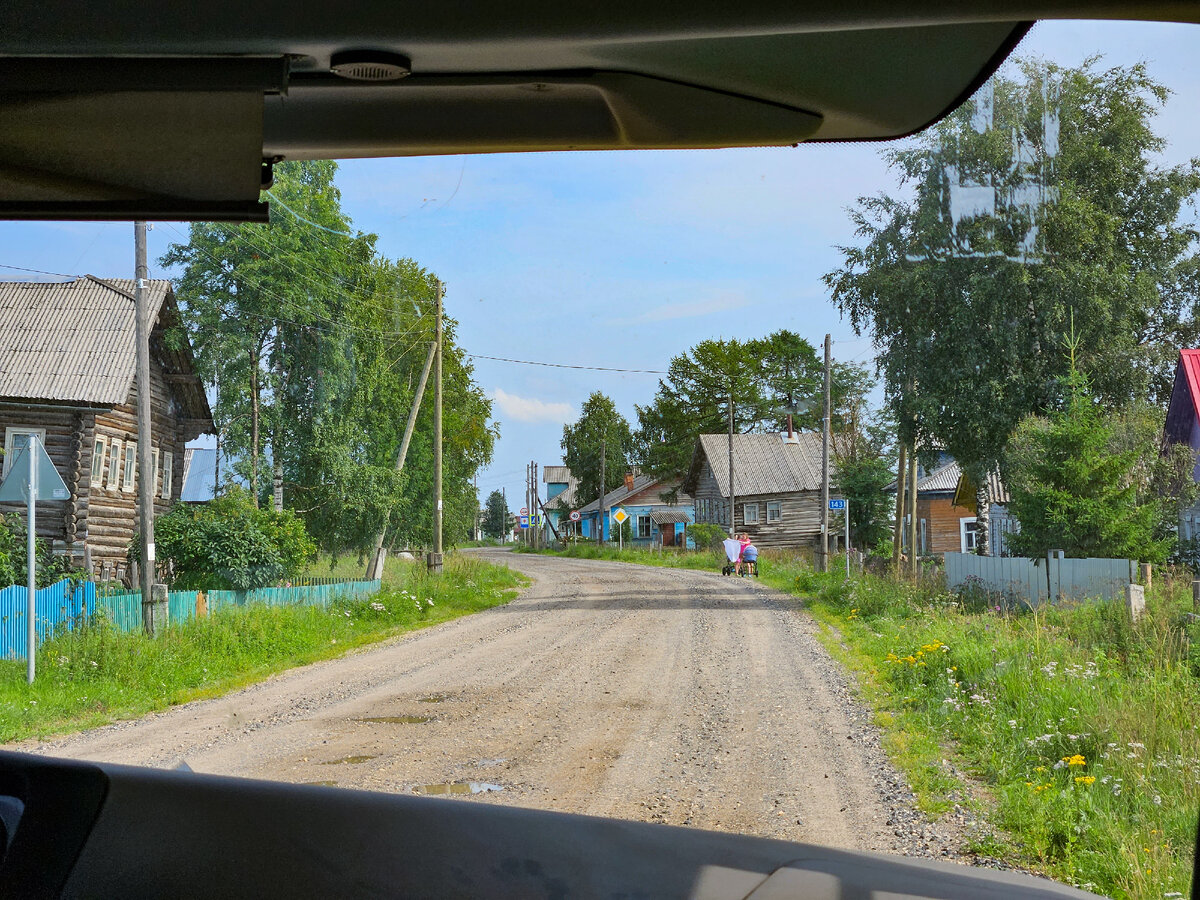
[530, 362]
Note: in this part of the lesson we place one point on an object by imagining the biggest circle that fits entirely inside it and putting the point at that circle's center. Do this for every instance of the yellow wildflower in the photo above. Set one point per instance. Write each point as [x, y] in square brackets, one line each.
[1075, 760]
[1040, 769]
[1085, 779]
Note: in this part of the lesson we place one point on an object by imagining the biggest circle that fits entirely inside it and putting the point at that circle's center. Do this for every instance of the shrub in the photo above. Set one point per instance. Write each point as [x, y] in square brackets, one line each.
[230, 544]
[50, 568]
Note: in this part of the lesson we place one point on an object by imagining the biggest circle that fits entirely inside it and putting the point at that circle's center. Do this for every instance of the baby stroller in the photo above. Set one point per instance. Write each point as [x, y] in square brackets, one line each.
[733, 550]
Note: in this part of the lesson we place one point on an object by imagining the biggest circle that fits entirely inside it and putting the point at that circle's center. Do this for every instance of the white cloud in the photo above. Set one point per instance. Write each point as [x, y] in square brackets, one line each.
[688, 310]
[530, 409]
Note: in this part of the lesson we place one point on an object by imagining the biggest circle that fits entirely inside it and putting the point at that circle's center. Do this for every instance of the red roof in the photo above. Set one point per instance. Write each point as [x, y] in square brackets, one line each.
[1184, 410]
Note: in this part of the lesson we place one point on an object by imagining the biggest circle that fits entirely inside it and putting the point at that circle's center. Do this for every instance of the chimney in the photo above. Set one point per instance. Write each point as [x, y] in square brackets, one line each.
[628, 481]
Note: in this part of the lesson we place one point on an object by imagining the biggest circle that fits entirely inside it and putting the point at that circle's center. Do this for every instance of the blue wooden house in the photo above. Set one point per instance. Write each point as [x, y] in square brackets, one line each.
[653, 520]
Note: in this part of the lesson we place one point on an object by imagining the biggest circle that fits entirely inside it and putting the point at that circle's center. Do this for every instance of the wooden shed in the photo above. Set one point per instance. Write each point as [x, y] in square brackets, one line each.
[67, 361]
[777, 486]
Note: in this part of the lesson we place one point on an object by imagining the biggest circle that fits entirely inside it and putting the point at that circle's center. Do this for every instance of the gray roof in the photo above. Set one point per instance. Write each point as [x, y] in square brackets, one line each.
[640, 483]
[762, 463]
[560, 475]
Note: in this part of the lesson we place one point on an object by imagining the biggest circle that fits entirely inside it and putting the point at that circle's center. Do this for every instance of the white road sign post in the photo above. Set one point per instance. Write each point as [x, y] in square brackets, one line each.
[32, 477]
[620, 515]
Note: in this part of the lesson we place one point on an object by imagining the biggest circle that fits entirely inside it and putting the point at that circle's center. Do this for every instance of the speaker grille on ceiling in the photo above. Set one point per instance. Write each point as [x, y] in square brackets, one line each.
[370, 65]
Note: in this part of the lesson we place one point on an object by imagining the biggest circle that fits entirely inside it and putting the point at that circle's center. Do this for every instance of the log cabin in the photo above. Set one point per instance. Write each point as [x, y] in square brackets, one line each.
[947, 518]
[67, 361]
[777, 487]
[659, 512]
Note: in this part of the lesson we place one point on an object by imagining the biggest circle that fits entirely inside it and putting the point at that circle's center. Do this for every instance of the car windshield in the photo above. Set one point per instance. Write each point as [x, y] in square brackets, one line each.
[855, 485]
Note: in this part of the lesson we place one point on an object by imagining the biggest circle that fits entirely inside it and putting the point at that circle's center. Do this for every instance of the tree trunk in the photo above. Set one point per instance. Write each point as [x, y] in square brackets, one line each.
[982, 520]
[277, 434]
[254, 389]
[901, 486]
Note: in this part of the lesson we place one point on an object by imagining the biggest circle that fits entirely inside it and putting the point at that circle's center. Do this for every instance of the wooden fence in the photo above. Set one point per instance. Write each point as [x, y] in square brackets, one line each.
[64, 604]
[1055, 578]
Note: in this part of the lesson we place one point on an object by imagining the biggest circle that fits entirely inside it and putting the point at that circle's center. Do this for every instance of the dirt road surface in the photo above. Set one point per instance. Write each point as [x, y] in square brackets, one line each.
[661, 695]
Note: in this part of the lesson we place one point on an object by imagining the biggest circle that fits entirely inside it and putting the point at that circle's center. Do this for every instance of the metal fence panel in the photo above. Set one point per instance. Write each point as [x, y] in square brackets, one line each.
[1034, 581]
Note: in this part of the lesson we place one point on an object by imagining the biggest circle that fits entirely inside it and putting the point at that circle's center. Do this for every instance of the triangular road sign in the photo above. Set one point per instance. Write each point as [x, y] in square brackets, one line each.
[15, 486]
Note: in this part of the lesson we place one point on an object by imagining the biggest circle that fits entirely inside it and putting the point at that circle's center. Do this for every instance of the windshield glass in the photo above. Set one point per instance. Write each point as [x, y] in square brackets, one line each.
[901, 438]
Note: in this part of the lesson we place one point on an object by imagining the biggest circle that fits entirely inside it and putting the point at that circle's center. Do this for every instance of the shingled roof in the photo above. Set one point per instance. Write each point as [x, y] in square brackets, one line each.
[74, 342]
[762, 463]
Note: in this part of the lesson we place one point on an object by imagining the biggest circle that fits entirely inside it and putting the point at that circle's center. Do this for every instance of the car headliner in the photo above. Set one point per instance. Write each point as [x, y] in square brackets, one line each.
[152, 110]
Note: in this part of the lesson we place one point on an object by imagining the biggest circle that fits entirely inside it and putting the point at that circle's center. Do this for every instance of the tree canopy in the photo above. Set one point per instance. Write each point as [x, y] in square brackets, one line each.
[599, 423]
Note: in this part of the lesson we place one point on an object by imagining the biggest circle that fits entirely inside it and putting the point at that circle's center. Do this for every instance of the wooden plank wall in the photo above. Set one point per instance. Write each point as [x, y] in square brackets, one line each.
[799, 527]
[62, 446]
[941, 522]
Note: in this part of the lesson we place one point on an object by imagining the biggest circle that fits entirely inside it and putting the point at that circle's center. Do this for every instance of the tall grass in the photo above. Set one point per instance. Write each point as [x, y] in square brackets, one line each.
[93, 673]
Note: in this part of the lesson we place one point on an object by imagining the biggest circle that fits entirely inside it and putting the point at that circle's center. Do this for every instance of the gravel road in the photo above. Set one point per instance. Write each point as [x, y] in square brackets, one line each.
[662, 695]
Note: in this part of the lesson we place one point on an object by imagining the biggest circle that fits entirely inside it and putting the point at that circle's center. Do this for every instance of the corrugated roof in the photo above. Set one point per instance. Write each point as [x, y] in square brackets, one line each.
[943, 479]
[1184, 408]
[559, 475]
[669, 516]
[764, 463]
[71, 341]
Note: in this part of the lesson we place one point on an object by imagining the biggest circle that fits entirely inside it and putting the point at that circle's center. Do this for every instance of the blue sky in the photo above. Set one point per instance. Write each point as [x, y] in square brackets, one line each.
[624, 259]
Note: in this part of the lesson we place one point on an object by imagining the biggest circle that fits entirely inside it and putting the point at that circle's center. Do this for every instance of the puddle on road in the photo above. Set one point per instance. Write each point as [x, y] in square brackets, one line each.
[433, 698]
[396, 720]
[461, 787]
[348, 759]
[321, 783]
[484, 763]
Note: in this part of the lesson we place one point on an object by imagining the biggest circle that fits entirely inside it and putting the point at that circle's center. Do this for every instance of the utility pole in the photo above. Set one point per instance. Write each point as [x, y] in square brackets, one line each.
[435, 559]
[731, 490]
[600, 510]
[901, 486]
[504, 534]
[145, 464]
[528, 500]
[825, 463]
[537, 537]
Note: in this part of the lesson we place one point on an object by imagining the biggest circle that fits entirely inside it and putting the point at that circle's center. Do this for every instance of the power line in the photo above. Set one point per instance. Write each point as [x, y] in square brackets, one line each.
[307, 221]
[530, 362]
[38, 271]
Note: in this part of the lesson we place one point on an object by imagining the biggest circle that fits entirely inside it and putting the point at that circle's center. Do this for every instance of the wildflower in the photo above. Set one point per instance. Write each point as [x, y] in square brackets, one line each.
[1157, 800]
[1075, 760]
[1040, 769]
[1085, 779]
[430, 602]
[378, 607]
[62, 660]
[1012, 723]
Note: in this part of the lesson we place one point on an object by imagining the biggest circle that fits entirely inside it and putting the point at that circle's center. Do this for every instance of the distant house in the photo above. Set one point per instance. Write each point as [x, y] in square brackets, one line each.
[777, 486]
[67, 359]
[560, 496]
[1183, 427]
[653, 520]
[947, 520]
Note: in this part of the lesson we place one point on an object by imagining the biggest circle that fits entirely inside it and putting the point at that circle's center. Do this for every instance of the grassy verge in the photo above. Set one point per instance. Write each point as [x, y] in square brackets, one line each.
[1078, 725]
[676, 559]
[93, 675]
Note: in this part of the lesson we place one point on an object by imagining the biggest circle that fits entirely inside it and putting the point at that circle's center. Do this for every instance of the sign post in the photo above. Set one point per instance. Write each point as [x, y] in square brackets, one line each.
[844, 506]
[32, 477]
[620, 515]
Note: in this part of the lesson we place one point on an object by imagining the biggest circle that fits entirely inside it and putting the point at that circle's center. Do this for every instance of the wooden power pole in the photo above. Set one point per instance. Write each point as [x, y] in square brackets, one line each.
[435, 558]
[825, 462]
[901, 482]
[145, 464]
[914, 565]
[600, 510]
[732, 497]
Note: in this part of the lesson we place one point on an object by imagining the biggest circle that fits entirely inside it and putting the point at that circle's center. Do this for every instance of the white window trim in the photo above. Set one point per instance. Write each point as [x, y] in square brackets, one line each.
[100, 458]
[750, 507]
[777, 507]
[11, 432]
[153, 471]
[962, 532]
[640, 519]
[129, 478]
[168, 473]
[115, 449]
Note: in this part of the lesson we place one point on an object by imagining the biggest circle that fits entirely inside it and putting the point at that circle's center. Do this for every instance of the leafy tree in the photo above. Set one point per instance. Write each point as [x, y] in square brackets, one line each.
[1074, 489]
[769, 378]
[966, 339]
[598, 422]
[495, 515]
[51, 569]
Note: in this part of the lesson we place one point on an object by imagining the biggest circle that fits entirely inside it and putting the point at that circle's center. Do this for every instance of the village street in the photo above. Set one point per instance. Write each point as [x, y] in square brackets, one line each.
[654, 694]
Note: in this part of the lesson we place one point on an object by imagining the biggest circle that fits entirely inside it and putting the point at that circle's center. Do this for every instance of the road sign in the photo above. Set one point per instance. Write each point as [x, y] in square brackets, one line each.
[524, 521]
[524, 510]
[575, 517]
[837, 504]
[620, 515]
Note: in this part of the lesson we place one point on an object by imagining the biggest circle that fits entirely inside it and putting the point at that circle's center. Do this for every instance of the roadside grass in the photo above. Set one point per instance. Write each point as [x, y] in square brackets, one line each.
[1075, 725]
[95, 674]
[710, 560]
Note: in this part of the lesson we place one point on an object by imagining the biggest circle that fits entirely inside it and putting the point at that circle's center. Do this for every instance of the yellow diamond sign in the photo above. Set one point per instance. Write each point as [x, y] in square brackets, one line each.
[619, 516]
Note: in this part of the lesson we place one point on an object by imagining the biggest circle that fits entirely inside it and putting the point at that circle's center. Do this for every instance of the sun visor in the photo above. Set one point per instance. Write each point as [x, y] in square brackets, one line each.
[322, 117]
[125, 139]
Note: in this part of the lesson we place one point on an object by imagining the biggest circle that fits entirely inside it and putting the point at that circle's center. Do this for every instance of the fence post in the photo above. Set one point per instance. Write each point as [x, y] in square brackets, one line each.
[1147, 575]
[1135, 601]
[155, 610]
[1196, 596]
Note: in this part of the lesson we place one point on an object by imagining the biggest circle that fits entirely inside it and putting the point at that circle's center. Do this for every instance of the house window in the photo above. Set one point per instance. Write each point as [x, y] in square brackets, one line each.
[968, 529]
[168, 472]
[16, 437]
[98, 460]
[153, 469]
[774, 511]
[643, 526]
[129, 480]
[114, 465]
[749, 513]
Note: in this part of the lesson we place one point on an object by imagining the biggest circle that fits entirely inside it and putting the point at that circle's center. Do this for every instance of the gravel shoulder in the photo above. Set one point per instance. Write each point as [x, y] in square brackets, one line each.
[663, 695]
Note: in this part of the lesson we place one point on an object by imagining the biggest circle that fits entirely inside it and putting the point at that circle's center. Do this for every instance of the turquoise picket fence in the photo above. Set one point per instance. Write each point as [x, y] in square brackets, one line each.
[66, 604]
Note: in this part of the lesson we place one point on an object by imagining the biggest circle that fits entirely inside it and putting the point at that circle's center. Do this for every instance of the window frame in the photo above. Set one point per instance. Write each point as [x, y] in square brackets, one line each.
[746, 507]
[963, 530]
[129, 472]
[10, 432]
[99, 458]
[167, 474]
[775, 506]
[116, 447]
[642, 518]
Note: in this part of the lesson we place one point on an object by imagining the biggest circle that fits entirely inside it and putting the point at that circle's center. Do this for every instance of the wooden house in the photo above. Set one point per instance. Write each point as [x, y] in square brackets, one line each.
[560, 498]
[947, 520]
[1183, 427]
[777, 486]
[67, 361]
[659, 512]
